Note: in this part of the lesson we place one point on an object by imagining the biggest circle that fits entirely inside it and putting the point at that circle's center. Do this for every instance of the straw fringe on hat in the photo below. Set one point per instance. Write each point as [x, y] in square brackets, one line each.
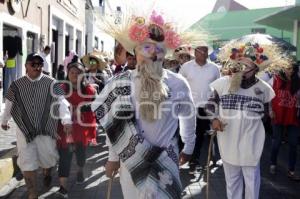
[269, 57]
[96, 55]
[139, 25]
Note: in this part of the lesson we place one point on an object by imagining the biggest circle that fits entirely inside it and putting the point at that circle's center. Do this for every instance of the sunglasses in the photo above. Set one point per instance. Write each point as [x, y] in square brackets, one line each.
[93, 62]
[35, 64]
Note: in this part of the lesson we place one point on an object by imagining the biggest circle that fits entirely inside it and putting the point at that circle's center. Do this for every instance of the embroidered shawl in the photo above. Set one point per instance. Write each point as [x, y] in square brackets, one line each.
[154, 170]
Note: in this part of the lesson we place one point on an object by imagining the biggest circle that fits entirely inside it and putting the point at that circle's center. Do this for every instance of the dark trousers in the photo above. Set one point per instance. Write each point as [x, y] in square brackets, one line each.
[65, 159]
[293, 133]
[202, 125]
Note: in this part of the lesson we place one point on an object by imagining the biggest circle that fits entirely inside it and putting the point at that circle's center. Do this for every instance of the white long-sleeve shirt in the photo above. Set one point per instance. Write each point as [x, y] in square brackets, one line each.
[179, 106]
[199, 78]
[47, 62]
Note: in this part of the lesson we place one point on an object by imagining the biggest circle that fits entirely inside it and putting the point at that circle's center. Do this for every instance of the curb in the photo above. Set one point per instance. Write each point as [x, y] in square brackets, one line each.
[6, 171]
[6, 167]
[8, 152]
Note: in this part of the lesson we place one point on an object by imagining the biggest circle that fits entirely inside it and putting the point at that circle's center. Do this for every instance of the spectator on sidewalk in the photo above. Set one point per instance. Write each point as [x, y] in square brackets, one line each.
[35, 102]
[84, 127]
[284, 112]
[237, 106]
[199, 73]
[47, 60]
[141, 134]
[10, 71]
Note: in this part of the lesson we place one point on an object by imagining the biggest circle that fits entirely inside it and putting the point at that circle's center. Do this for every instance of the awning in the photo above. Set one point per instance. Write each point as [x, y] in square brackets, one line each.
[283, 19]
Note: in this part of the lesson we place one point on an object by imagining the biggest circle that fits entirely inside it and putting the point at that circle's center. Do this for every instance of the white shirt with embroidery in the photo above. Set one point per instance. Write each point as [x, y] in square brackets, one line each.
[241, 143]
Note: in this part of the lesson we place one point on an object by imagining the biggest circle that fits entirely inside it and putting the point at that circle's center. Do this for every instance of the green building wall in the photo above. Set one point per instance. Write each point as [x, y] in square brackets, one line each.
[234, 24]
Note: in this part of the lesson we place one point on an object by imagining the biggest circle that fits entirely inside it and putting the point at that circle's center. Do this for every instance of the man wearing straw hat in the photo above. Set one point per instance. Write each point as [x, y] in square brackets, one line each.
[140, 110]
[237, 106]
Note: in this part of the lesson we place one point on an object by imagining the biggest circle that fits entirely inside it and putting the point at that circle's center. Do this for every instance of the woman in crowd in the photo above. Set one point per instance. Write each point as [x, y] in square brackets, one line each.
[284, 110]
[84, 126]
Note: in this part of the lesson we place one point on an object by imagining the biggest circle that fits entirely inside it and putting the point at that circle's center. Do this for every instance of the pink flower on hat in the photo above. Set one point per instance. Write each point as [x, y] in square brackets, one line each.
[138, 33]
[172, 39]
[157, 19]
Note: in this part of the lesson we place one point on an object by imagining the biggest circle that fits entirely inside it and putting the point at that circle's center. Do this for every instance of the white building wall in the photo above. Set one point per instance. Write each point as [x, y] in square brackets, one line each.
[23, 27]
[1, 44]
[93, 30]
[89, 21]
[1, 70]
[75, 24]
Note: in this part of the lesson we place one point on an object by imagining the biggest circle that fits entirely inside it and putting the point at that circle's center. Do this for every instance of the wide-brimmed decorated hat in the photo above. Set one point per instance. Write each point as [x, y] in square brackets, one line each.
[136, 28]
[235, 54]
[97, 56]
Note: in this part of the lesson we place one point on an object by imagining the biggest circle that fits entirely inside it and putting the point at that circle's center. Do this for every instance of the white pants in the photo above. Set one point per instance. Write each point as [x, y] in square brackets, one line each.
[40, 152]
[235, 175]
[129, 190]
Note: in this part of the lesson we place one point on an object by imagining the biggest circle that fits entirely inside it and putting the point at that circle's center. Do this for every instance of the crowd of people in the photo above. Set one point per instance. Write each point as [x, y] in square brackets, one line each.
[156, 110]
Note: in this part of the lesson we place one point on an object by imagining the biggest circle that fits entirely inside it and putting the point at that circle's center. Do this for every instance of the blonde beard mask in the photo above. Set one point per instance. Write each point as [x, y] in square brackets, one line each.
[151, 90]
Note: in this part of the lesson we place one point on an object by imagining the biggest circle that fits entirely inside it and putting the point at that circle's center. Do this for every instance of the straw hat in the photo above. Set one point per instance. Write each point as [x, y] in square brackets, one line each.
[264, 57]
[95, 55]
[136, 28]
[184, 49]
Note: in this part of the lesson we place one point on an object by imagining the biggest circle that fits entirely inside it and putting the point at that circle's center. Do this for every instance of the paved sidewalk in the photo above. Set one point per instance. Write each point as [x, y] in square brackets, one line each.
[7, 151]
[95, 186]
[7, 138]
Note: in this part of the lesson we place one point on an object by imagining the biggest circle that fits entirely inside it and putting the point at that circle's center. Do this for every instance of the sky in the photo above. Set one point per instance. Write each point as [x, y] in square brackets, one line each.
[190, 11]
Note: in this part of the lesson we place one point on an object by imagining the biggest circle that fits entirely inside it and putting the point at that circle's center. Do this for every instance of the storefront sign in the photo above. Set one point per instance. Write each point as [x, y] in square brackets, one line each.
[69, 5]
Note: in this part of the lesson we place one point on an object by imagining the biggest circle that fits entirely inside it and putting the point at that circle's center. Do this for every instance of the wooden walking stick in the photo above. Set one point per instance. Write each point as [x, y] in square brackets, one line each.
[108, 193]
[109, 187]
[212, 136]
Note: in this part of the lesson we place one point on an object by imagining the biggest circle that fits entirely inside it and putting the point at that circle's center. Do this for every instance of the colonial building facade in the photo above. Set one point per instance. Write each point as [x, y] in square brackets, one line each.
[57, 23]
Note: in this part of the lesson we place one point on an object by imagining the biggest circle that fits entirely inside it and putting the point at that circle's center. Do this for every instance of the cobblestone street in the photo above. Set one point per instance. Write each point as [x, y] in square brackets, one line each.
[95, 186]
